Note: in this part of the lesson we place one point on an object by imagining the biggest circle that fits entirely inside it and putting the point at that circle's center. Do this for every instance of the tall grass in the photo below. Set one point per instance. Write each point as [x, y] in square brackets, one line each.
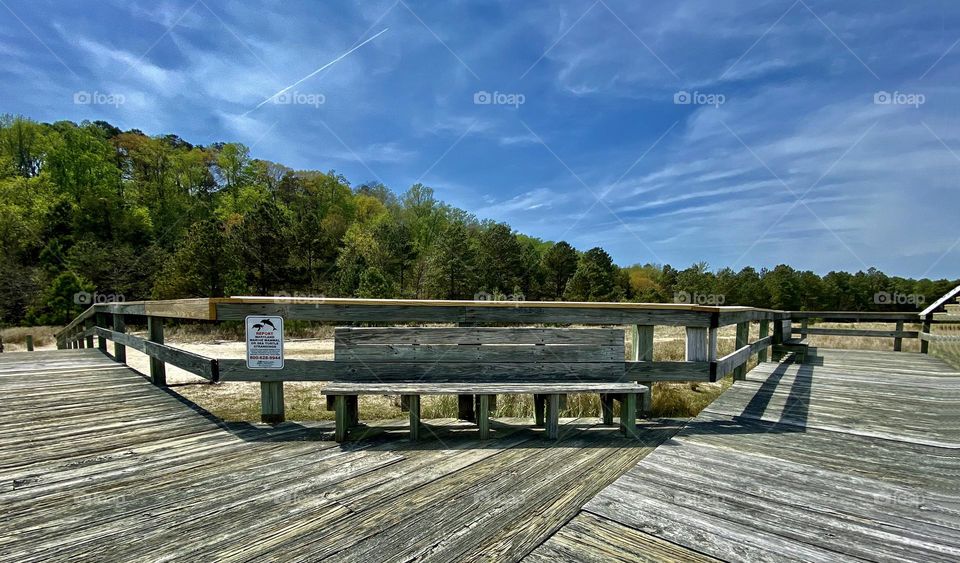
[15, 338]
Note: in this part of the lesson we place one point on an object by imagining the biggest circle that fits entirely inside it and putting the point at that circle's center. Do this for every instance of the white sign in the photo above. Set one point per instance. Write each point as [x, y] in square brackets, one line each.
[264, 342]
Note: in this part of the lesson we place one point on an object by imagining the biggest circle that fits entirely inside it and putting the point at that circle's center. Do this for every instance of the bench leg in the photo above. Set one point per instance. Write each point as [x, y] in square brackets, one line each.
[476, 403]
[342, 418]
[606, 408]
[553, 416]
[353, 409]
[465, 408]
[628, 415]
[645, 403]
[413, 405]
[483, 416]
[538, 403]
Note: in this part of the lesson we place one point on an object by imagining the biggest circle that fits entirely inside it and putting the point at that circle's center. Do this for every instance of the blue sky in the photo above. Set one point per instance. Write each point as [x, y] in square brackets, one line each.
[816, 134]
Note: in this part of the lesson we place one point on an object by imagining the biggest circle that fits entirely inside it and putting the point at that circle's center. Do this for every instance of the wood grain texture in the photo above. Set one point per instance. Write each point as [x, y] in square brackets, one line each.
[348, 336]
[187, 361]
[764, 334]
[848, 458]
[553, 416]
[328, 370]
[153, 478]
[119, 349]
[697, 344]
[471, 354]
[742, 339]
[158, 369]
[859, 332]
[406, 311]
[413, 406]
[271, 402]
[401, 388]
[593, 539]
[853, 456]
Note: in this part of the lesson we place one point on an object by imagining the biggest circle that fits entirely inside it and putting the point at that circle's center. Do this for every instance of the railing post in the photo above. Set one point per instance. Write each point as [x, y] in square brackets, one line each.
[764, 332]
[927, 323]
[743, 337]
[804, 324]
[29, 343]
[712, 337]
[898, 341]
[641, 350]
[271, 402]
[777, 339]
[119, 350]
[466, 404]
[697, 344]
[158, 371]
[101, 341]
[88, 323]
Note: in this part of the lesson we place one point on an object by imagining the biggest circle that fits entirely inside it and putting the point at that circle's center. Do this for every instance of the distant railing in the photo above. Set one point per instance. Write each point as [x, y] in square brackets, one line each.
[897, 334]
[944, 313]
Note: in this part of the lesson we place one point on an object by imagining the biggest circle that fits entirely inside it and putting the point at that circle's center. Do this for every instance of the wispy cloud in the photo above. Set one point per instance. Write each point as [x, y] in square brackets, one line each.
[598, 84]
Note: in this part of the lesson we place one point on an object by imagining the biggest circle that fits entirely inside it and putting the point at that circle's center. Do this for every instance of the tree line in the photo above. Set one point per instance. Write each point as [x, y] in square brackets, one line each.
[90, 213]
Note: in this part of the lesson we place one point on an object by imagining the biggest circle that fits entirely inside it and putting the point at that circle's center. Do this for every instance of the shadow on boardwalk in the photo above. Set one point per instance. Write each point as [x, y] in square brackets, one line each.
[853, 457]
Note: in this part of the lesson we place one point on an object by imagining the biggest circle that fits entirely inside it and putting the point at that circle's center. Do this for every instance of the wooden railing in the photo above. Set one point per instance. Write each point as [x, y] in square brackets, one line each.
[702, 324]
[805, 318]
[944, 313]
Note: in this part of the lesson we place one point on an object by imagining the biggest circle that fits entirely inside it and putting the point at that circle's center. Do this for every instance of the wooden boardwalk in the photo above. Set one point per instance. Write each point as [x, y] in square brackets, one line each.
[97, 464]
[855, 457]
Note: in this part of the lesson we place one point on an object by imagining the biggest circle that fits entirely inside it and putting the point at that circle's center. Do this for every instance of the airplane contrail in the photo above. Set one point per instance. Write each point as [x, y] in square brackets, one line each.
[314, 73]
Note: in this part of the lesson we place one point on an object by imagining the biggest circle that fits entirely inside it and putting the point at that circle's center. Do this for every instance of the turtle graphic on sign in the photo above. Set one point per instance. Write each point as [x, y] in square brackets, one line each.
[264, 342]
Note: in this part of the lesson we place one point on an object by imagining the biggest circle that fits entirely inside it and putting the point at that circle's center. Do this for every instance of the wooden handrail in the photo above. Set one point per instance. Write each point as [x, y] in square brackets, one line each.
[702, 325]
[434, 310]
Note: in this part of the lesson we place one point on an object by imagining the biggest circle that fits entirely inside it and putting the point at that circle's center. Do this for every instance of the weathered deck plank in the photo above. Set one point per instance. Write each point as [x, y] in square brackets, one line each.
[854, 457]
[98, 464]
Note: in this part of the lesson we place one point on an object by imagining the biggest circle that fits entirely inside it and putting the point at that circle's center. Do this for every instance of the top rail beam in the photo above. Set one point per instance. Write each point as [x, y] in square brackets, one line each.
[856, 316]
[435, 310]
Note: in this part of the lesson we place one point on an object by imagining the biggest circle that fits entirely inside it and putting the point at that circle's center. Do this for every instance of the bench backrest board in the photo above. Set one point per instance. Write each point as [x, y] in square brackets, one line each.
[481, 354]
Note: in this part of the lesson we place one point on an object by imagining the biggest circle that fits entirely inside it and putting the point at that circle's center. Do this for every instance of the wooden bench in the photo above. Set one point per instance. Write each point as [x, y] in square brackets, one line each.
[483, 362]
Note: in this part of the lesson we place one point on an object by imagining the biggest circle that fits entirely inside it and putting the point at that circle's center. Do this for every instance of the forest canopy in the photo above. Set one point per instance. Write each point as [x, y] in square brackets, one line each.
[92, 213]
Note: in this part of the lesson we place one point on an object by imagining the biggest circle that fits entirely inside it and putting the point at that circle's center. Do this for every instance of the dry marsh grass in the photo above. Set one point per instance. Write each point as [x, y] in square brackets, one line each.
[15, 338]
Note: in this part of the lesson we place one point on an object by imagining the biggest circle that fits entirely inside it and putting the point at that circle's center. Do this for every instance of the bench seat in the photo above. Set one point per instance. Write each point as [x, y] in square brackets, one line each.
[351, 388]
[546, 401]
